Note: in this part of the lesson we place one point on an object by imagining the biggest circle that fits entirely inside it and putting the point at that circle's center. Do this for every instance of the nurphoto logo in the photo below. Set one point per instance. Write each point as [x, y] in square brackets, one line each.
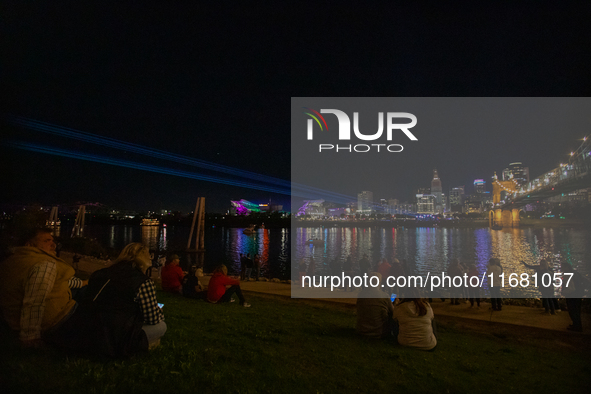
[344, 133]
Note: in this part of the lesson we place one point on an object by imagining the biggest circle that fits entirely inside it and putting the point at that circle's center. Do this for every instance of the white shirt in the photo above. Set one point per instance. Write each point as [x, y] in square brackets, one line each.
[415, 330]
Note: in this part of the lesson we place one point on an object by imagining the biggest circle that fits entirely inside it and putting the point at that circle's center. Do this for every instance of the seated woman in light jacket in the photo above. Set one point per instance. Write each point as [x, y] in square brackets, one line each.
[416, 324]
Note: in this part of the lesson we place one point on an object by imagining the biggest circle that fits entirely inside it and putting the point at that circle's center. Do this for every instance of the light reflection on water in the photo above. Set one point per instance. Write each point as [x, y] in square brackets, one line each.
[424, 249]
[222, 245]
[432, 249]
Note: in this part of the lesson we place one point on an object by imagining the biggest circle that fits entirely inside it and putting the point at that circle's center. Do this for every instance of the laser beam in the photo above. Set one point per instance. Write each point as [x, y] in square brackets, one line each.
[155, 153]
[151, 168]
[140, 166]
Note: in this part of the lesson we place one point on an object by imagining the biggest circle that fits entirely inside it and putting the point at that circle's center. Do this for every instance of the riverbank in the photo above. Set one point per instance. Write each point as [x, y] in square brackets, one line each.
[284, 345]
[511, 317]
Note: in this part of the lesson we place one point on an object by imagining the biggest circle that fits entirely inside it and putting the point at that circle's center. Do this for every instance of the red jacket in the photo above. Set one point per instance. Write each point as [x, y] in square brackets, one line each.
[217, 286]
[384, 270]
[172, 278]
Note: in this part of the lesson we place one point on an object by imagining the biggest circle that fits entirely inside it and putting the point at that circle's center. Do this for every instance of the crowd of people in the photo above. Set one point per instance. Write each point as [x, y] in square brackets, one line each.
[247, 264]
[115, 312]
[573, 290]
[411, 321]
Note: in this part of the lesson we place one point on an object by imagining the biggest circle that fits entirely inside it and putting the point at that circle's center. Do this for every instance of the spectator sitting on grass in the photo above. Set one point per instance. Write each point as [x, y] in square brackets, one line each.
[217, 291]
[416, 324]
[35, 294]
[172, 275]
[192, 287]
[119, 315]
[374, 311]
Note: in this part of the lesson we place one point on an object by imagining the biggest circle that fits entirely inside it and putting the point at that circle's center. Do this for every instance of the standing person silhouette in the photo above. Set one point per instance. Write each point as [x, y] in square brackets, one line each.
[473, 292]
[455, 269]
[547, 291]
[249, 264]
[348, 270]
[364, 265]
[574, 291]
[384, 270]
[242, 266]
[495, 269]
[257, 266]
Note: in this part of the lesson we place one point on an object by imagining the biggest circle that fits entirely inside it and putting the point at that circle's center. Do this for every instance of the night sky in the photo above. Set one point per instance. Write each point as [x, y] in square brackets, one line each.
[214, 82]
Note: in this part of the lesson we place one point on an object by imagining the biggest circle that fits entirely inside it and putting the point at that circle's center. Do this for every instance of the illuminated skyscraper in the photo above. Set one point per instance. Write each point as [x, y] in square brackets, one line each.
[365, 202]
[437, 192]
[426, 204]
[479, 185]
[456, 198]
[518, 172]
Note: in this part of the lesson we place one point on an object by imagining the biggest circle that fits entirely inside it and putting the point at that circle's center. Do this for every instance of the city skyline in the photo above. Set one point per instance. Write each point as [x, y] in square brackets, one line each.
[488, 146]
[390, 198]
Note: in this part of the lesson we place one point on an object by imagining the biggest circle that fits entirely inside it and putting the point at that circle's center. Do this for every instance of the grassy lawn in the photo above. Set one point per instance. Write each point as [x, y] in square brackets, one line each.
[290, 346]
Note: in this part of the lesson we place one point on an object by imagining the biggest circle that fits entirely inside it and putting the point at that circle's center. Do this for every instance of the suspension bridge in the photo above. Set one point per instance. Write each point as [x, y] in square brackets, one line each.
[566, 178]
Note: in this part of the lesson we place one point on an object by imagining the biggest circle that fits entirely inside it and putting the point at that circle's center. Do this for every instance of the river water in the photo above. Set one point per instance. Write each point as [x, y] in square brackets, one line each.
[431, 249]
[424, 249]
[222, 245]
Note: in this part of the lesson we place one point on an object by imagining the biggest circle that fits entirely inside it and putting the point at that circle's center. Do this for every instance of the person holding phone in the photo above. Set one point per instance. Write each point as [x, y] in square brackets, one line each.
[119, 315]
[416, 321]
